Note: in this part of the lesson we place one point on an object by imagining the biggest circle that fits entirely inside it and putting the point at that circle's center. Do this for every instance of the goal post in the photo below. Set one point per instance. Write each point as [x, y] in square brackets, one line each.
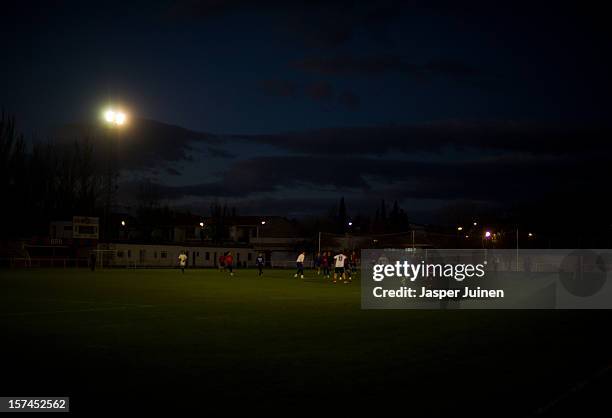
[103, 258]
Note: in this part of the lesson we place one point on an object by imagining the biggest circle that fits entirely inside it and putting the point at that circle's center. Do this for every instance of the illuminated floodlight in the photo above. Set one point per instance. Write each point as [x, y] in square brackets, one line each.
[122, 223]
[115, 117]
[201, 224]
[488, 234]
[475, 223]
[350, 224]
[109, 116]
[459, 228]
[120, 118]
[530, 234]
[263, 222]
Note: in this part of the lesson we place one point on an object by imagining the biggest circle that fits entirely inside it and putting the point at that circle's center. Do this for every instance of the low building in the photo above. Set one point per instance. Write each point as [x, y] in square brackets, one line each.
[166, 256]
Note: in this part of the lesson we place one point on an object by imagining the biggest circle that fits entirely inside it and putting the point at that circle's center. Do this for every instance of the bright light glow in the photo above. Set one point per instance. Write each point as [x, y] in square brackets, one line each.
[115, 117]
[488, 234]
[530, 234]
[459, 228]
[122, 223]
[350, 224]
[120, 118]
[263, 222]
[467, 236]
[475, 223]
[201, 224]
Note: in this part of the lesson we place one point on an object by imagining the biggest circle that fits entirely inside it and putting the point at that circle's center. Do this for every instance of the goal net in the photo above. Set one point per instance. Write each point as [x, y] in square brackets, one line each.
[102, 258]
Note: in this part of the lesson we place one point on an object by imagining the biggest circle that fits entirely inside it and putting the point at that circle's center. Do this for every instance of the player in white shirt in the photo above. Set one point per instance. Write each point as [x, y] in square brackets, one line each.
[182, 261]
[300, 265]
[339, 260]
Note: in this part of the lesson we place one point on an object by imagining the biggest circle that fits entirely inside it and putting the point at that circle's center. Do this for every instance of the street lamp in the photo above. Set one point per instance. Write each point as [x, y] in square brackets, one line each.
[459, 228]
[488, 234]
[350, 224]
[122, 223]
[257, 229]
[201, 231]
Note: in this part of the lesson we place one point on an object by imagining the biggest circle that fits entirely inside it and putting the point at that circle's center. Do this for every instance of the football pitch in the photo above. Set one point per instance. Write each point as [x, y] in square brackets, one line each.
[159, 339]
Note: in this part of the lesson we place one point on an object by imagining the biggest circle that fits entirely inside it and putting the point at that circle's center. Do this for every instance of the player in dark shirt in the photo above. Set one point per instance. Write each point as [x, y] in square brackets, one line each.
[325, 264]
[348, 268]
[317, 263]
[259, 261]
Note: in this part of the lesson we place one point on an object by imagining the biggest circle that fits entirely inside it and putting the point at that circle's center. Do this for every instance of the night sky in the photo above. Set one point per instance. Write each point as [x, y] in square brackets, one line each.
[284, 107]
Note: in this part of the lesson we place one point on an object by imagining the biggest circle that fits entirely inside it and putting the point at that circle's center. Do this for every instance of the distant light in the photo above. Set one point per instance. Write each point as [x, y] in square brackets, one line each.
[475, 223]
[201, 224]
[530, 234]
[467, 236]
[263, 222]
[350, 224]
[459, 228]
[488, 234]
[122, 223]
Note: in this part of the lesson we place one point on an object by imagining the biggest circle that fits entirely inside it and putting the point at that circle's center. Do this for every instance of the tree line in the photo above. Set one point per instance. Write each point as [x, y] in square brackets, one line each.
[43, 181]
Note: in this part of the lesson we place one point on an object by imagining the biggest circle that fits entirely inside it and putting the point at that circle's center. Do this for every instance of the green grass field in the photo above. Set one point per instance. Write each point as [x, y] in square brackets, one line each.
[160, 339]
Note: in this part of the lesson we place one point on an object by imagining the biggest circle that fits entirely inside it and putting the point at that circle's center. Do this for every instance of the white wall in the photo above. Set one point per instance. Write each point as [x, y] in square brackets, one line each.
[152, 255]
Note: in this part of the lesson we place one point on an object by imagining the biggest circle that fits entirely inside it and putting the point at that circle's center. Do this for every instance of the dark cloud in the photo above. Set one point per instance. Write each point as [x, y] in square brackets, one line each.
[318, 91]
[173, 171]
[374, 65]
[216, 152]
[314, 23]
[141, 143]
[501, 179]
[268, 174]
[439, 137]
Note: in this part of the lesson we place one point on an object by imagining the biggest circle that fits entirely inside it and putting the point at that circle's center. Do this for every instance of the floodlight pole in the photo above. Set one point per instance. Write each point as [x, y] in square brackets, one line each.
[113, 143]
[114, 120]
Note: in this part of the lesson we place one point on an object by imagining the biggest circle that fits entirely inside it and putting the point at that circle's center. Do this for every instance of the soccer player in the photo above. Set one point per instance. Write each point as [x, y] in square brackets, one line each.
[227, 261]
[317, 263]
[325, 264]
[348, 270]
[300, 265]
[354, 259]
[339, 265]
[259, 261]
[222, 262]
[182, 261]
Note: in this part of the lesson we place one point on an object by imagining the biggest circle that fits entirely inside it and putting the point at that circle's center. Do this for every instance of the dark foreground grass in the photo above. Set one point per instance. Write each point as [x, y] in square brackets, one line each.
[156, 339]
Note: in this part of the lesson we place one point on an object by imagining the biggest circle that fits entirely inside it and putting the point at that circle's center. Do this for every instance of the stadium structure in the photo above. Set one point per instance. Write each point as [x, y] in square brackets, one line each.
[78, 243]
